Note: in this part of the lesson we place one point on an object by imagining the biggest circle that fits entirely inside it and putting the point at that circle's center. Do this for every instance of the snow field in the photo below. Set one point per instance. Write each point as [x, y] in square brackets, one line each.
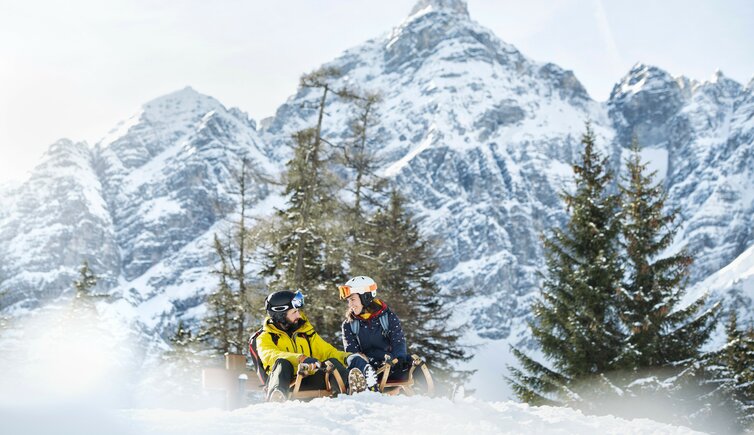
[373, 413]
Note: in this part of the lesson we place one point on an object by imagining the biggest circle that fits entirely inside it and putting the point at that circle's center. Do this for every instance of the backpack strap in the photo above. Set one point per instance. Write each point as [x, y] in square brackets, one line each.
[385, 323]
[254, 352]
[355, 329]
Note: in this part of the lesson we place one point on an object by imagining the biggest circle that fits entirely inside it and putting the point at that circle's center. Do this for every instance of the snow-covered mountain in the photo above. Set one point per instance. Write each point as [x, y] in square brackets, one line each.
[476, 134]
[50, 223]
[703, 136]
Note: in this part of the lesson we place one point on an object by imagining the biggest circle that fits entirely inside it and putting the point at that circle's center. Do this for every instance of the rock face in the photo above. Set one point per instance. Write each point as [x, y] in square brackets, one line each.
[53, 222]
[478, 136]
[167, 178]
[144, 196]
[707, 133]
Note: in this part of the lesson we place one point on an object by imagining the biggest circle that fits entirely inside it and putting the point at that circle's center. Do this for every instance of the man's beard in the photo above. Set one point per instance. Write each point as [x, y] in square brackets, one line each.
[289, 326]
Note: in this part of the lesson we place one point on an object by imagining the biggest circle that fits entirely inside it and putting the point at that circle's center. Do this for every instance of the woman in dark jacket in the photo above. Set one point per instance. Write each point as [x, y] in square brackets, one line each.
[372, 330]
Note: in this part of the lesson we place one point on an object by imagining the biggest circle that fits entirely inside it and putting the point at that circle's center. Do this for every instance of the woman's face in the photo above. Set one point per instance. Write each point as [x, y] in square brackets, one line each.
[354, 304]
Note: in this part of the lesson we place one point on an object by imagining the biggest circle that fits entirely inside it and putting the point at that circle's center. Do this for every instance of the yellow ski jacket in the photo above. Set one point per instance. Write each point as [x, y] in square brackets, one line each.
[274, 343]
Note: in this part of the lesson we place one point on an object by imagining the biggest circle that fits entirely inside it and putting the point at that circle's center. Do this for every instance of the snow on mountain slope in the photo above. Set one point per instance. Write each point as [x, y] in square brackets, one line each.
[735, 285]
[477, 135]
[168, 178]
[54, 221]
[707, 132]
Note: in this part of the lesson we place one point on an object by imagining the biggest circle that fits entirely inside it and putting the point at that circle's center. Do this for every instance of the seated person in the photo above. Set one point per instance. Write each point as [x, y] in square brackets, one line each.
[287, 340]
[373, 330]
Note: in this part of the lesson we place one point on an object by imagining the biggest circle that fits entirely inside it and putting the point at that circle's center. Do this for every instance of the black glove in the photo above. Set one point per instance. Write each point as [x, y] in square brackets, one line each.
[405, 361]
[310, 360]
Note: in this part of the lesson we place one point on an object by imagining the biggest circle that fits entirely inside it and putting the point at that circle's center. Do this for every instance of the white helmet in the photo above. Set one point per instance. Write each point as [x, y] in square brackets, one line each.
[361, 285]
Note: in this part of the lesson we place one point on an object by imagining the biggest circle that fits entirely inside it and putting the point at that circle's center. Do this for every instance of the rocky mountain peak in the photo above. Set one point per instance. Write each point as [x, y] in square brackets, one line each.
[63, 153]
[640, 78]
[180, 104]
[645, 89]
[457, 7]
[725, 85]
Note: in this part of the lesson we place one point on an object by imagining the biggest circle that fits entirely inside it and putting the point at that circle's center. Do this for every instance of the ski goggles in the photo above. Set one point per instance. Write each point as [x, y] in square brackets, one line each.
[296, 302]
[347, 290]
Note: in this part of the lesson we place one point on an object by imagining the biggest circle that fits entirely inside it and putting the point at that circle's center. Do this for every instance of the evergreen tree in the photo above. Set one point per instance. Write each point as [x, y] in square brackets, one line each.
[224, 328]
[85, 296]
[659, 335]
[363, 183]
[576, 324]
[730, 371]
[400, 261]
[309, 255]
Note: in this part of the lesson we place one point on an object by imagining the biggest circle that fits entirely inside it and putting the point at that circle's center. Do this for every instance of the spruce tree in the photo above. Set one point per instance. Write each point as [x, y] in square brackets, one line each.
[659, 334]
[309, 254]
[400, 260]
[730, 370]
[575, 320]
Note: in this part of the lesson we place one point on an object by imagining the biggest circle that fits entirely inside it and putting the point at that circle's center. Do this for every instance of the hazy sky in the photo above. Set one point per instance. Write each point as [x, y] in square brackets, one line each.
[75, 68]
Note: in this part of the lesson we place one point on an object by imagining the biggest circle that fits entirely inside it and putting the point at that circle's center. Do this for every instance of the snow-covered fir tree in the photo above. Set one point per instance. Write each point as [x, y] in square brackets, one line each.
[730, 371]
[401, 262]
[659, 333]
[662, 347]
[576, 324]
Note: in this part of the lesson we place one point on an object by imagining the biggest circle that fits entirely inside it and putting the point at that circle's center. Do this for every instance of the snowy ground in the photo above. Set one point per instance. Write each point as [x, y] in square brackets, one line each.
[364, 413]
[64, 374]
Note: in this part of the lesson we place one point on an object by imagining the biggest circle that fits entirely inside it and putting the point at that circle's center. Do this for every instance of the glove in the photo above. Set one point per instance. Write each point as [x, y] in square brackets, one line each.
[405, 361]
[310, 360]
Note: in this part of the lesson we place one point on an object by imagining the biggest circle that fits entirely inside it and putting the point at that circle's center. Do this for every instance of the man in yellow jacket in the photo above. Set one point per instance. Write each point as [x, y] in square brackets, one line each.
[287, 340]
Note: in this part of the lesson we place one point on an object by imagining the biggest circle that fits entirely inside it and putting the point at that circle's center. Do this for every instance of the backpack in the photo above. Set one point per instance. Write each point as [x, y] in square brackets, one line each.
[254, 352]
[384, 323]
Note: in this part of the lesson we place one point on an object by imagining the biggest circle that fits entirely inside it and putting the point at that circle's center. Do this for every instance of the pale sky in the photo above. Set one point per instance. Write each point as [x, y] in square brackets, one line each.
[75, 68]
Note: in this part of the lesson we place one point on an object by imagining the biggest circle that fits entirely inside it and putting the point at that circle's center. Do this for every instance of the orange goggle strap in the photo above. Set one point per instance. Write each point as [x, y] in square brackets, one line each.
[346, 290]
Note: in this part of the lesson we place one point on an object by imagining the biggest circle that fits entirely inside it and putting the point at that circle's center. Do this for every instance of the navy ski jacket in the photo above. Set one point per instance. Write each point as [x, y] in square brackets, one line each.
[372, 341]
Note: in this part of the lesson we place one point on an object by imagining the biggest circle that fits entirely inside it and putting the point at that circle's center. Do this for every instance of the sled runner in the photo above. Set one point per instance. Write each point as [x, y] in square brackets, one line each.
[408, 386]
[305, 370]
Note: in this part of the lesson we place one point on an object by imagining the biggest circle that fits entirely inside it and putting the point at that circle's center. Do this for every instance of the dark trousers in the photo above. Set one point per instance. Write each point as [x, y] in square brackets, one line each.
[282, 375]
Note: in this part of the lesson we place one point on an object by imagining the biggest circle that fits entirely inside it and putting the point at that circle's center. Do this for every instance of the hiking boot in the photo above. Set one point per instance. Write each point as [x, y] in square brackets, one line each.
[277, 396]
[370, 377]
[356, 381]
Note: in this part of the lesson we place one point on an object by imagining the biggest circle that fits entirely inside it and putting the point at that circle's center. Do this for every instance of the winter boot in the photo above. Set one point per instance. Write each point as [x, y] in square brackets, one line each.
[356, 381]
[370, 377]
[277, 396]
